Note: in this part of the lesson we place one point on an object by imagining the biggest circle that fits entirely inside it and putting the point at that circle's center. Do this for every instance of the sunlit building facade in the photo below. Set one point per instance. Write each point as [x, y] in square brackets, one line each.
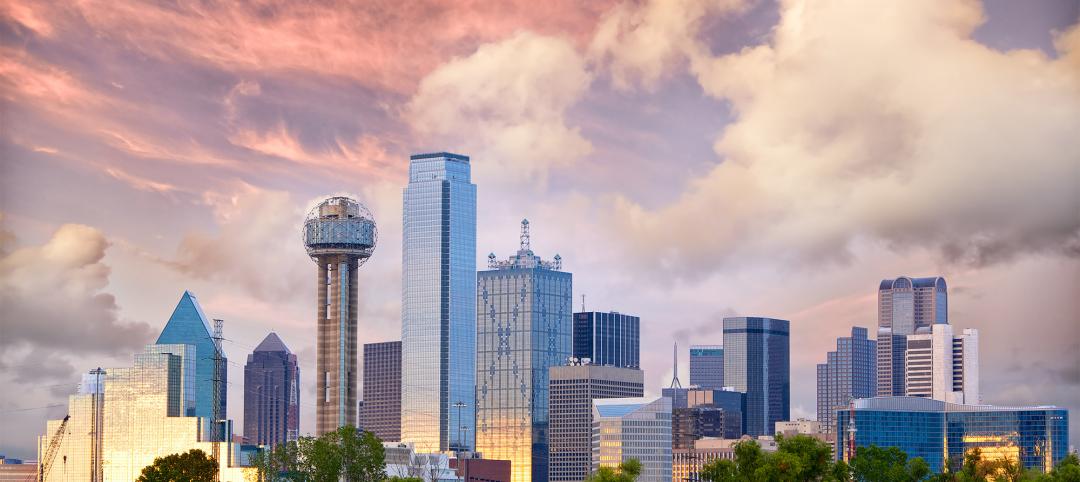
[271, 394]
[757, 363]
[904, 305]
[707, 366]
[608, 339]
[524, 329]
[943, 366]
[849, 372]
[633, 428]
[938, 431]
[438, 297]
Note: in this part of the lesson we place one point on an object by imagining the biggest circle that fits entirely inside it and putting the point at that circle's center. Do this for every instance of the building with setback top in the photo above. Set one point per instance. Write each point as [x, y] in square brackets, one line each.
[849, 372]
[271, 394]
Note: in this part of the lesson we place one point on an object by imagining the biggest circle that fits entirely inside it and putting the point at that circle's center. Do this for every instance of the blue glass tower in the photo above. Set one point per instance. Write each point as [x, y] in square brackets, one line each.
[608, 339]
[848, 373]
[707, 366]
[757, 362]
[188, 325]
[438, 304]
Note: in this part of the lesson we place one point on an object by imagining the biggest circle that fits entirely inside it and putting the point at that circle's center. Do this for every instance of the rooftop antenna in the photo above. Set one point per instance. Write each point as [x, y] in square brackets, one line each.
[675, 358]
[583, 302]
[215, 409]
[524, 234]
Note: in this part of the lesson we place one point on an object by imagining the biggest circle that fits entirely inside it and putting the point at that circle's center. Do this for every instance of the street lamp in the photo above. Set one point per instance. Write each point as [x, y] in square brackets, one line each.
[459, 405]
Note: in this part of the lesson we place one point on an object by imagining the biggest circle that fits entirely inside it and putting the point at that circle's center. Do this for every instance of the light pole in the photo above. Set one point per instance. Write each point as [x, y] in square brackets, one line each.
[459, 405]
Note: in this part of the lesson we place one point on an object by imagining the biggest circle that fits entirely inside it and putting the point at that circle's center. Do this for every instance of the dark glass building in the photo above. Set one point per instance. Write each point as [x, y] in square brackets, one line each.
[608, 339]
[271, 394]
[381, 412]
[849, 372]
[707, 366]
[731, 402]
[757, 362]
[937, 431]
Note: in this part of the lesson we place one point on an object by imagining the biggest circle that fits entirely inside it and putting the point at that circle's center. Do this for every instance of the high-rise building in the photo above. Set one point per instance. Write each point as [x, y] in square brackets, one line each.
[381, 412]
[572, 390]
[904, 305]
[339, 235]
[937, 431]
[438, 304]
[609, 339]
[849, 372]
[731, 402]
[695, 423]
[707, 366]
[633, 428]
[942, 366]
[757, 363]
[271, 394]
[523, 330]
[188, 325]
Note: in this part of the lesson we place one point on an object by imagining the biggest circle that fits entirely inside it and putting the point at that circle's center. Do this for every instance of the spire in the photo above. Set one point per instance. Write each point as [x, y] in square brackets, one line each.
[524, 234]
[272, 343]
[675, 374]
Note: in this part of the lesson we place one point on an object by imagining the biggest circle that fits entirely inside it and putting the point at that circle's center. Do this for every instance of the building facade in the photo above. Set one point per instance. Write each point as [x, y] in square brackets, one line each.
[633, 428]
[438, 299]
[608, 339]
[271, 394]
[943, 366]
[757, 363]
[707, 366]
[380, 413]
[686, 463]
[571, 392]
[523, 330]
[849, 372]
[937, 431]
[904, 305]
[188, 325]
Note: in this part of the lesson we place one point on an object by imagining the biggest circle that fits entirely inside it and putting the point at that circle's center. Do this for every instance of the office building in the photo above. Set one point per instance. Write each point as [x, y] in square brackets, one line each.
[523, 330]
[757, 363]
[188, 325]
[15, 470]
[380, 412]
[572, 391]
[938, 431]
[469, 467]
[340, 236]
[905, 305]
[608, 339]
[403, 461]
[707, 366]
[733, 403]
[849, 372]
[694, 423]
[942, 366]
[271, 394]
[686, 463]
[438, 304]
[633, 428]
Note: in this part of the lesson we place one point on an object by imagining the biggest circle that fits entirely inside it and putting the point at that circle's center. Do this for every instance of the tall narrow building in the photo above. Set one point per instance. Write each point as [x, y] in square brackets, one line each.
[609, 339]
[523, 330]
[339, 235]
[438, 304]
[380, 412]
[757, 363]
[848, 373]
[271, 394]
[942, 366]
[904, 305]
[188, 325]
[707, 366]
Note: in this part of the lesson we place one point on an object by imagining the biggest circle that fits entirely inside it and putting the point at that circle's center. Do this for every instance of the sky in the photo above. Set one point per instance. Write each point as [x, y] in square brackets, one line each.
[689, 160]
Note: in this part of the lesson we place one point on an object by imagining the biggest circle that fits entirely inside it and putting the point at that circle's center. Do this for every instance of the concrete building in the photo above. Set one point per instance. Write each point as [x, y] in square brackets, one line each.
[402, 460]
[942, 366]
[380, 413]
[608, 339]
[438, 304]
[572, 391]
[687, 463]
[904, 305]
[707, 366]
[757, 363]
[340, 236]
[271, 394]
[472, 468]
[849, 372]
[523, 330]
[812, 428]
[633, 428]
[15, 470]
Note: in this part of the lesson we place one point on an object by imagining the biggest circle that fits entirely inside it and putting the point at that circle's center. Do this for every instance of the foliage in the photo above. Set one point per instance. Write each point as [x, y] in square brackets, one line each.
[628, 471]
[879, 464]
[405, 479]
[345, 454]
[797, 458]
[191, 466]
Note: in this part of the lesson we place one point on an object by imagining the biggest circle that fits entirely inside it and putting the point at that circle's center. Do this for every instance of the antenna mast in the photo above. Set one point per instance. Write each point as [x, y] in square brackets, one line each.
[675, 361]
[216, 425]
[524, 234]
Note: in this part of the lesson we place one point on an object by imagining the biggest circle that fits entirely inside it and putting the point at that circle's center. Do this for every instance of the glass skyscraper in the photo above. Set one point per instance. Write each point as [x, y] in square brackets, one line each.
[904, 305]
[271, 394]
[937, 431]
[849, 372]
[757, 363]
[633, 428]
[438, 301]
[608, 339]
[188, 325]
[523, 330]
[707, 366]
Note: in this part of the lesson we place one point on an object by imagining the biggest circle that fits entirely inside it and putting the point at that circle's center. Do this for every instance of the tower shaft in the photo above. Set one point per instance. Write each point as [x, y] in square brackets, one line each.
[336, 312]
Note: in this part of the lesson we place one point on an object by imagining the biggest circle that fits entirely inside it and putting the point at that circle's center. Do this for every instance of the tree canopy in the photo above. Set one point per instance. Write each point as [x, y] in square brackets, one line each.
[627, 471]
[346, 454]
[191, 466]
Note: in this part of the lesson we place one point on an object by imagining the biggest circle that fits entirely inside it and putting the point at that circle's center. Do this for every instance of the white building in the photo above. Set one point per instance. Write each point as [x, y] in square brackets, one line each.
[633, 428]
[942, 366]
[403, 461]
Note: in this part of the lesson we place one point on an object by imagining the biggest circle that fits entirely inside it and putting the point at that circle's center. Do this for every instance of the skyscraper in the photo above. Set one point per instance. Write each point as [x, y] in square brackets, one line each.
[757, 363]
[381, 412]
[188, 325]
[942, 366]
[339, 235]
[523, 330]
[608, 339]
[572, 390]
[707, 366]
[438, 304]
[633, 428]
[849, 372]
[904, 305]
[686, 403]
[271, 394]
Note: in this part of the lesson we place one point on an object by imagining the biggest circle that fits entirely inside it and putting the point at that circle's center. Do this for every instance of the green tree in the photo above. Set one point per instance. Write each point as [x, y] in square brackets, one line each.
[877, 464]
[191, 466]
[628, 471]
[1068, 470]
[345, 454]
[797, 458]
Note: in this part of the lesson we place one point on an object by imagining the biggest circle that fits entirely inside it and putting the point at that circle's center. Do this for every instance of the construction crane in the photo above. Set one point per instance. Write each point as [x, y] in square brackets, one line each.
[54, 445]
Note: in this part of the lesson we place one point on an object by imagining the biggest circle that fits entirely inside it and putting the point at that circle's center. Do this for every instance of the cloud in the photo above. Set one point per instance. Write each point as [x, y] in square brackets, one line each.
[506, 103]
[878, 121]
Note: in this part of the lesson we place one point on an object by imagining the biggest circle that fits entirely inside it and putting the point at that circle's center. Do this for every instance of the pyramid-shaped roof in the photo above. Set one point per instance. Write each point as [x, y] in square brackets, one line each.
[187, 320]
[272, 343]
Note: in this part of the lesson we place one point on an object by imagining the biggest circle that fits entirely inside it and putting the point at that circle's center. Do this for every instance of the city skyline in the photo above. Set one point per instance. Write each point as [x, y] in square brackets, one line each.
[150, 151]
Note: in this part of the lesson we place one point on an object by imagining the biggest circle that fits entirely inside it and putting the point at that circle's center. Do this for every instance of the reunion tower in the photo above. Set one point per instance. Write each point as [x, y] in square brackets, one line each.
[339, 235]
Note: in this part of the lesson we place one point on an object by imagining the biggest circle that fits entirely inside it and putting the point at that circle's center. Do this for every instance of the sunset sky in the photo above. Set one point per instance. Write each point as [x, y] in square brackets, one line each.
[689, 160]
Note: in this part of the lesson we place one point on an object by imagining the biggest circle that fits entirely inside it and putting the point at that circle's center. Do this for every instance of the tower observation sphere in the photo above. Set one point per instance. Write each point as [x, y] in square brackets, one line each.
[339, 235]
